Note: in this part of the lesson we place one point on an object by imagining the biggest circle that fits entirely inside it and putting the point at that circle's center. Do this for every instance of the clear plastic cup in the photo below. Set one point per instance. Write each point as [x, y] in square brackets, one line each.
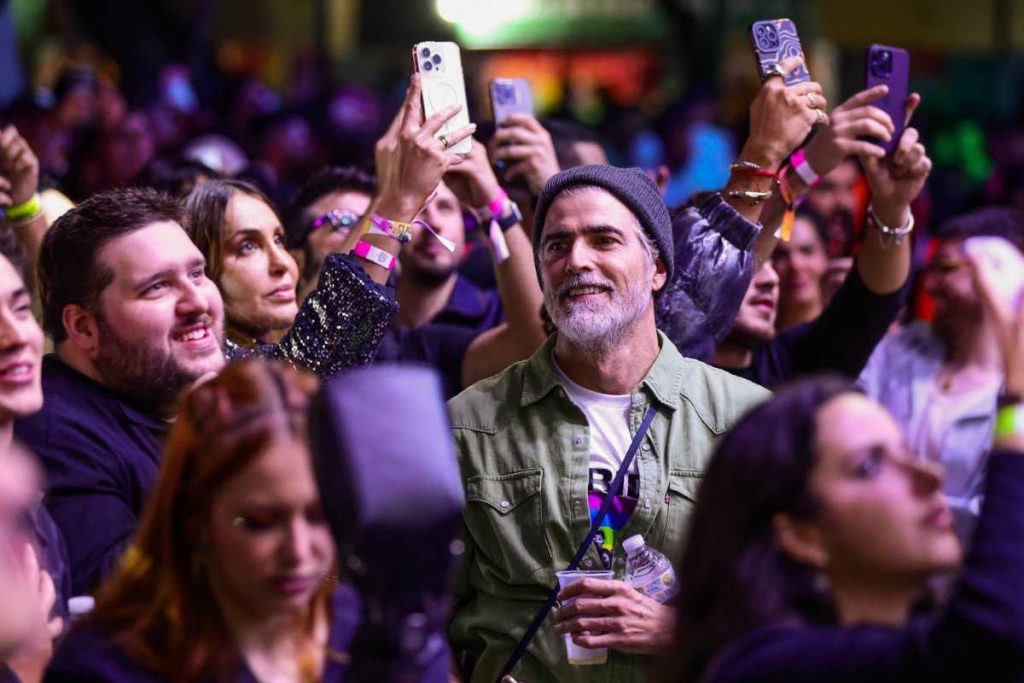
[583, 656]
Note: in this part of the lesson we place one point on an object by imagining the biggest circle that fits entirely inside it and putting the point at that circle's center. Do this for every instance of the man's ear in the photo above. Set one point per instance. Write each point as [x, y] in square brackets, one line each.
[82, 330]
[660, 275]
[801, 540]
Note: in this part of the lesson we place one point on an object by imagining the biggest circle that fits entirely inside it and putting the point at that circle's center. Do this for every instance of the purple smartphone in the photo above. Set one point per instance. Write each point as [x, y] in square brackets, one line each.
[889, 66]
[510, 96]
[773, 40]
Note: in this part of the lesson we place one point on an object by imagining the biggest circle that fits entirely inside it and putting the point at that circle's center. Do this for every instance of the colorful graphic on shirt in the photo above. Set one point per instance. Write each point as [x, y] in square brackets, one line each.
[611, 526]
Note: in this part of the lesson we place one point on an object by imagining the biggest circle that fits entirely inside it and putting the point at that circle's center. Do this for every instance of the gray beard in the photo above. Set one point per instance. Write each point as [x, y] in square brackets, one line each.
[599, 330]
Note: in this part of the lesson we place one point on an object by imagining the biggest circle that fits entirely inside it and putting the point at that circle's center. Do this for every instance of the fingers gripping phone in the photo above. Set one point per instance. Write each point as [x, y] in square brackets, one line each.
[440, 67]
[1006, 262]
[510, 96]
[774, 40]
[885, 65]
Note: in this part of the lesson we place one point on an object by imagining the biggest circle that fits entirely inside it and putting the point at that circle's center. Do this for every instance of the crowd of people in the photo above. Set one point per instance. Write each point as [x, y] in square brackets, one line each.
[163, 504]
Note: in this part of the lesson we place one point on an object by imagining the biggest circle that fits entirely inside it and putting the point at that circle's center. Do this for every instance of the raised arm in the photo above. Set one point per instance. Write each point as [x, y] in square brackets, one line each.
[523, 329]
[411, 161]
[19, 185]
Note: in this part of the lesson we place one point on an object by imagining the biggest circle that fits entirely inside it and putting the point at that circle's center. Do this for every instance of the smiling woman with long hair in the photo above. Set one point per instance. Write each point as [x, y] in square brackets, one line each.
[816, 532]
[229, 576]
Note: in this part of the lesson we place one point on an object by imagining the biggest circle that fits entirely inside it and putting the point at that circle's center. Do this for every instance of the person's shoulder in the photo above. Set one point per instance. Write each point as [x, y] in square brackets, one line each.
[483, 405]
[87, 654]
[788, 652]
[718, 396]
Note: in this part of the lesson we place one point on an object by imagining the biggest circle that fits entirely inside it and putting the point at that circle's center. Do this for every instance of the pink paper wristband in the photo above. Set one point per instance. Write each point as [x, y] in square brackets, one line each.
[368, 252]
[496, 205]
[803, 169]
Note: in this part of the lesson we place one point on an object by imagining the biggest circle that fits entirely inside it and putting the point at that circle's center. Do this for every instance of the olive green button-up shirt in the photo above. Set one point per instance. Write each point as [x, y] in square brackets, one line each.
[524, 451]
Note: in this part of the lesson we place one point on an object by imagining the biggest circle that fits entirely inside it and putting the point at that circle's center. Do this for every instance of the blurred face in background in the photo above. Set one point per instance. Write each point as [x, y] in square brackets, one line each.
[800, 264]
[337, 213]
[948, 281]
[269, 545]
[834, 196]
[425, 260]
[755, 321]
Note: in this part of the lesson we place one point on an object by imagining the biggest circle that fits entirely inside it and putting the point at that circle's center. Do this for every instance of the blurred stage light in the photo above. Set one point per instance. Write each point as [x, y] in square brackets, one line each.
[483, 16]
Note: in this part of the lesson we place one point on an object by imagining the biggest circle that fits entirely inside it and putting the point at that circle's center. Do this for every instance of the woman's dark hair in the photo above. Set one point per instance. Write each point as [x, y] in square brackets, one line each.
[733, 576]
[205, 208]
[992, 221]
[175, 175]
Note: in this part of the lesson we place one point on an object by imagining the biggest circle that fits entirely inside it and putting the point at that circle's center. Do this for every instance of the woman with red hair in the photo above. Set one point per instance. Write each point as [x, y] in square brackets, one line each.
[229, 578]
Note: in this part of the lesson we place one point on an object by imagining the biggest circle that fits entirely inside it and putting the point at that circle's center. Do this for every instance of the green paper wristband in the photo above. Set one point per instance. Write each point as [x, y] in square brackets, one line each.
[1010, 421]
[31, 208]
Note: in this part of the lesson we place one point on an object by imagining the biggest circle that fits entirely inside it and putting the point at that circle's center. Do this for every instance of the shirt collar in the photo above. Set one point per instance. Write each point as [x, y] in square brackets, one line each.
[664, 381]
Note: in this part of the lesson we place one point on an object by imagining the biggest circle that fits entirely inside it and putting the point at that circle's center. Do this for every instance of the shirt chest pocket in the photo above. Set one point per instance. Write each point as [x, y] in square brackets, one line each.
[505, 516]
[680, 499]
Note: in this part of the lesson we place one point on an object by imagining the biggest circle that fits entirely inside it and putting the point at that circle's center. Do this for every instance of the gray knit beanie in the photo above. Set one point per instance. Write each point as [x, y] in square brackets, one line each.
[631, 186]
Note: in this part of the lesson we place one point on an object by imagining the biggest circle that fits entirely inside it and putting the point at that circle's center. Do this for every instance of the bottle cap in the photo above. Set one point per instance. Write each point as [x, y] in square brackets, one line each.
[633, 544]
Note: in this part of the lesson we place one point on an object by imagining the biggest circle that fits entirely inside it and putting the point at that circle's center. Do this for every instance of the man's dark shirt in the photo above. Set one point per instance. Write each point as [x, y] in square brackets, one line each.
[102, 457]
[442, 343]
[840, 340]
[440, 346]
[470, 306]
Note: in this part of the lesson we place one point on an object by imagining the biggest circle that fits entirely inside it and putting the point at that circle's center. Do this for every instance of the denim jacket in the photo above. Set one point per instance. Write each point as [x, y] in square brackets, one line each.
[524, 451]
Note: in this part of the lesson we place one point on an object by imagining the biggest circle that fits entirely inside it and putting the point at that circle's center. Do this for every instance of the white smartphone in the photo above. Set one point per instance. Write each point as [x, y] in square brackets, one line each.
[1006, 261]
[440, 67]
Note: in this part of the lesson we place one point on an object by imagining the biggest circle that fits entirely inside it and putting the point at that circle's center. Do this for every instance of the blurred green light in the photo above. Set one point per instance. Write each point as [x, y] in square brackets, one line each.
[481, 17]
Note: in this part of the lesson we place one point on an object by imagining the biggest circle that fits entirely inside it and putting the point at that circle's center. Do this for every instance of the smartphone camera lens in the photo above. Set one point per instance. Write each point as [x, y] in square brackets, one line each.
[425, 52]
[881, 63]
[436, 59]
[427, 66]
[766, 36]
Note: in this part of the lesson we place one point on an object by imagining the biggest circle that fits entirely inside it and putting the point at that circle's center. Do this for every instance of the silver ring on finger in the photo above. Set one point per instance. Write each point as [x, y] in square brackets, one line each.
[776, 70]
[444, 141]
[810, 100]
[821, 117]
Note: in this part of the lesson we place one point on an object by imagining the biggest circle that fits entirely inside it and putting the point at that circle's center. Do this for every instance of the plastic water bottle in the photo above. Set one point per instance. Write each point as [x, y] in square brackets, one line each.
[649, 571]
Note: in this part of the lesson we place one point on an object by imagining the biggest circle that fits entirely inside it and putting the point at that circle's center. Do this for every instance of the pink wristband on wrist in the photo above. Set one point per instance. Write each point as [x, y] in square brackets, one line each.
[799, 162]
[496, 205]
[368, 252]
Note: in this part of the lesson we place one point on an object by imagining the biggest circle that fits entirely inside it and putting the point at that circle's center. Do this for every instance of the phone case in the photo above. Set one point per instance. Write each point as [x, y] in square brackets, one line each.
[773, 40]
[510, 96]
[1007, 263]
[885, 65]
[440, 67]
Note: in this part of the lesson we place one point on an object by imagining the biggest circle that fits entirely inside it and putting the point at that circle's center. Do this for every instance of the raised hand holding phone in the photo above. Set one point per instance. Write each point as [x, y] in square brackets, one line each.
[413, 163]
[439, 65]
[889, 66]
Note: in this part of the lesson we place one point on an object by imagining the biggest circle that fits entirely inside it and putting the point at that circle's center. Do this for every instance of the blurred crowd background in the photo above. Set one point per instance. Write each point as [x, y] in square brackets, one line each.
[274, 89]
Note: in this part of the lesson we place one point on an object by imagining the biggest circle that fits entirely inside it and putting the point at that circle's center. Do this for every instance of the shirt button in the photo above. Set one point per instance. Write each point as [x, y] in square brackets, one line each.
[504, 504]
[646, 446]
[647, 503]
[588, 563]
[578, 441]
